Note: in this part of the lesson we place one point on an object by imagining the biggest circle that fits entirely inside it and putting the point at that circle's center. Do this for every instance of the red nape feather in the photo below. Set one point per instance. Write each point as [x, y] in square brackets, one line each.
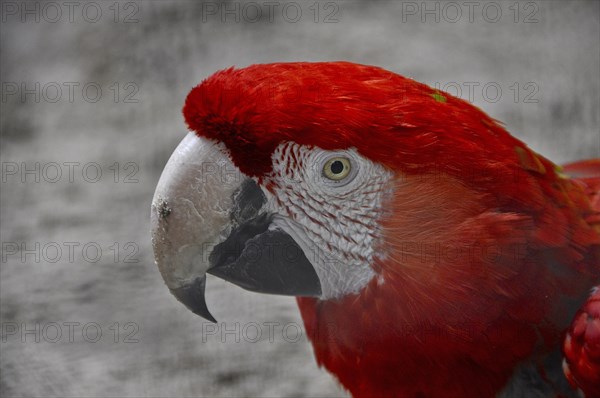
[586, 174]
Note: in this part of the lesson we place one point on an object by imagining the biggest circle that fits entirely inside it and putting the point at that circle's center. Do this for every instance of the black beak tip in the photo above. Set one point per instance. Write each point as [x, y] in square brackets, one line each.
[192, 296]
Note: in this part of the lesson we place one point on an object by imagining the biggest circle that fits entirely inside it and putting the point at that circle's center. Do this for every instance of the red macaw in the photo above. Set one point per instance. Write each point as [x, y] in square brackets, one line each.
[432, 253]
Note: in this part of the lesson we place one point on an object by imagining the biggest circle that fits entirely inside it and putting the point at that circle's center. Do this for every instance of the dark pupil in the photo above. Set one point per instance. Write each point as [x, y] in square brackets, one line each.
[337, 167]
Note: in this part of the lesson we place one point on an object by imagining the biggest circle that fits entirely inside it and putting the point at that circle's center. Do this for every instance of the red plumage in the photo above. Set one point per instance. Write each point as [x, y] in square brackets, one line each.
[489, 248]
[582, 348]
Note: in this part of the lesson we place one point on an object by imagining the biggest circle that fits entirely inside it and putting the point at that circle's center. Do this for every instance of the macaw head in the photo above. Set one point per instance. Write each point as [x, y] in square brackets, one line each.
[303, 178]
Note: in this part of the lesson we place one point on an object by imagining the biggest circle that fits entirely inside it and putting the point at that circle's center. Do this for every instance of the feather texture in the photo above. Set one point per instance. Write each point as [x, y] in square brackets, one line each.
[487, 250]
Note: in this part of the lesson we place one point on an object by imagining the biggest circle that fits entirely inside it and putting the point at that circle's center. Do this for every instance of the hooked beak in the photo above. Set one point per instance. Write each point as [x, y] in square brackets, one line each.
[207, 217]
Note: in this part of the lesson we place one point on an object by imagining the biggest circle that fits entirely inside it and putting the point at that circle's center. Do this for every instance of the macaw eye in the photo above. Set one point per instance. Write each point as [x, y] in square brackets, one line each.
[337, 168]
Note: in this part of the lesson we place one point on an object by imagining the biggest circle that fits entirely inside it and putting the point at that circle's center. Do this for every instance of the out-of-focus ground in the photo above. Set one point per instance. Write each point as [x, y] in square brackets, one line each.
[543, 51]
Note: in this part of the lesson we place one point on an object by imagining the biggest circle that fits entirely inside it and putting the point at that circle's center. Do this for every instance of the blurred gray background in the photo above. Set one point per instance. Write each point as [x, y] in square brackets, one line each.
[76, 253]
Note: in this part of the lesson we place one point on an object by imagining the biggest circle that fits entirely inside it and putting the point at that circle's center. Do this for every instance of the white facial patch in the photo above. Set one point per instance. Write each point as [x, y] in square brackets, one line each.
[334, 220]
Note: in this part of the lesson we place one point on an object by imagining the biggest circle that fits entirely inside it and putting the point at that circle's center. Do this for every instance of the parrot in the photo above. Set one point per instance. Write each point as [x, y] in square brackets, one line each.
[431, 253]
